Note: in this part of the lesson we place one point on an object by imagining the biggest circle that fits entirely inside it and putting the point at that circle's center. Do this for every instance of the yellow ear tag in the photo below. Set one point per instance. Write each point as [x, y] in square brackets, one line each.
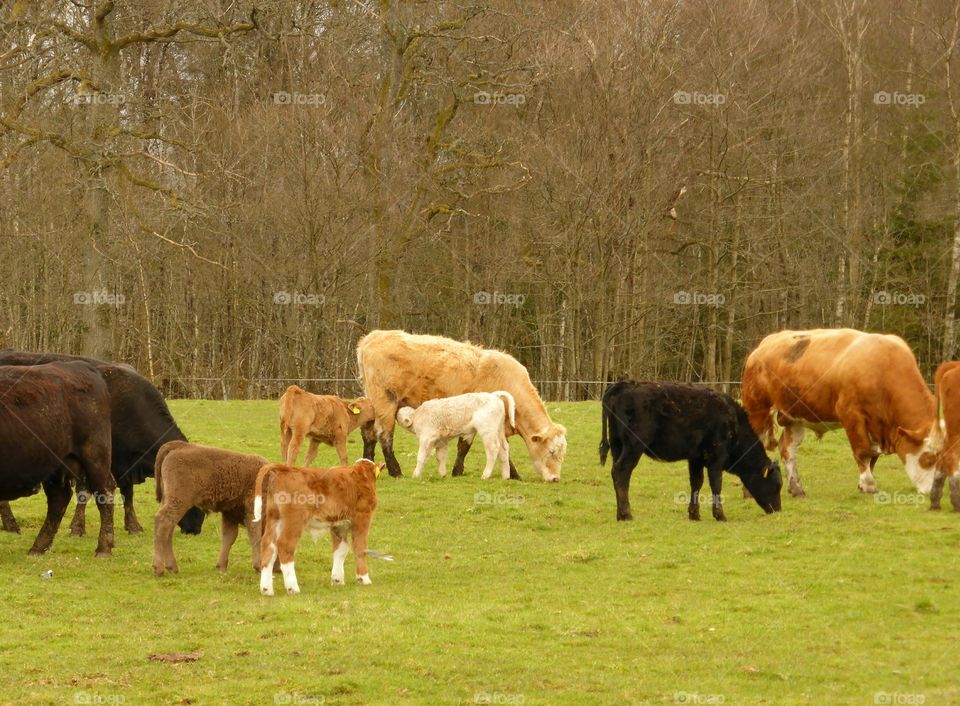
[765, 472]
[355, 410]
[376, 470]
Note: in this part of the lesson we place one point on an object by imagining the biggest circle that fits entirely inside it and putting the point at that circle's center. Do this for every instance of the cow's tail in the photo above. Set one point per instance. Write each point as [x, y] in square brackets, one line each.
[604, 423]
[511, 406]
[937, 439]
[262, 487]
[158, 464]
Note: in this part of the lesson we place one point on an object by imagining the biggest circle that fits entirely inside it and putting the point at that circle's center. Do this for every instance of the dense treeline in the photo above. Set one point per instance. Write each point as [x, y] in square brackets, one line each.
[228, 196]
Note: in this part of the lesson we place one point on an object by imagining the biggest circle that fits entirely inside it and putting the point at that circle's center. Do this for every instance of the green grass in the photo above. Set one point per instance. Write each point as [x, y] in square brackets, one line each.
[542, 600]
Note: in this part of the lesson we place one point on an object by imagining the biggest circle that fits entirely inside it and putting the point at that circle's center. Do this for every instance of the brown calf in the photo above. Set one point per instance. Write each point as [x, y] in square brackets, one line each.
[322, 418]
[214, 480]
[291, 500]
[947, 385]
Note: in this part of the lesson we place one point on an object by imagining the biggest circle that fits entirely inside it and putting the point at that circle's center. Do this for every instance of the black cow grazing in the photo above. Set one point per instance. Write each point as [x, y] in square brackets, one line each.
[670, 422]
[54, 427]
[141, 423]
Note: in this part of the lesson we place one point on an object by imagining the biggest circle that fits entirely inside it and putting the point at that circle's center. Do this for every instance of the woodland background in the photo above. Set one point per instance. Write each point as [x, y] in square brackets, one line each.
[228, 195]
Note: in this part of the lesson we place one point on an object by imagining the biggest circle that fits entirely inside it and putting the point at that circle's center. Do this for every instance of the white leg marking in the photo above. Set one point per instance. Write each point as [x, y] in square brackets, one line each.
[364, 579]
[266, 572]
[336, 575]
[289, 578]
[796, 438]
[867, 483]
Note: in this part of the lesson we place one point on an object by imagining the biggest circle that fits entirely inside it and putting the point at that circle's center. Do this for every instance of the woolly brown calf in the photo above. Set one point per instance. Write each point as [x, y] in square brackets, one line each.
[323, 419]
[214, 480]
[291, 500]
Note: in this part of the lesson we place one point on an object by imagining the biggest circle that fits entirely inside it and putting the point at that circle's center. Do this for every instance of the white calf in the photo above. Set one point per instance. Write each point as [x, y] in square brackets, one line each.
[482, 414]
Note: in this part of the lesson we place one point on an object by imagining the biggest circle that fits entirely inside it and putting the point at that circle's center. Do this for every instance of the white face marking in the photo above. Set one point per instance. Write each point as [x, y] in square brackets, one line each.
[339, 555]
[364, 579]
[922, 477]
[289, 578]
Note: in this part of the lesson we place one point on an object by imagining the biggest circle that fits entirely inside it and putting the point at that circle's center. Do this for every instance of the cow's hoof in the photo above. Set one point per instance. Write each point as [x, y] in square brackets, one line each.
[292, 591]
[936, 508]
[158, 571]
[103, 554]
[221, 569]
[133, 528]
[797, 493]
[266, 591]
[365, 580]
[722, 518]
[694, 518]
[336, 581]
[625, 518]
[77, 531]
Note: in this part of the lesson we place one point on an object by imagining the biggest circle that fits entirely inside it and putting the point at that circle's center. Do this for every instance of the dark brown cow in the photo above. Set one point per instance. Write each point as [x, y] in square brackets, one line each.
[54, 427]
[867, 383]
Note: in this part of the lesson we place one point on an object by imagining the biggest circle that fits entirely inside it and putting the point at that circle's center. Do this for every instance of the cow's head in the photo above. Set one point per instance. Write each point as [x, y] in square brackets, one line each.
[919, 449]
[192, 522]
[405, 417]
[764, 485]
[547, 448]
[362, 409]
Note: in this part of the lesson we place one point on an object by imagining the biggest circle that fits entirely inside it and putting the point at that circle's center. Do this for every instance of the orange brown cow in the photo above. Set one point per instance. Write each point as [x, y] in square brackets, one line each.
[947, 395]
[290, 500]
[867, 383]
[323, 419]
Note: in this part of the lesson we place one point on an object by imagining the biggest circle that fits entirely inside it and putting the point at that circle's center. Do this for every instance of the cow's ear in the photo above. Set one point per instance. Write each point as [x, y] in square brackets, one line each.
[916, 437]
[536, 438]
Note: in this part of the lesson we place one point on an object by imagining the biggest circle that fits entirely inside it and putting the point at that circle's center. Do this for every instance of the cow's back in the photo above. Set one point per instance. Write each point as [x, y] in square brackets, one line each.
[210, 474]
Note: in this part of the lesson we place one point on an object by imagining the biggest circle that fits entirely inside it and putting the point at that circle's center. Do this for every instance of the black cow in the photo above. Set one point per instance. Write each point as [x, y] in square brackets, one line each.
[54, 427]
[670, 422]
[141, 423]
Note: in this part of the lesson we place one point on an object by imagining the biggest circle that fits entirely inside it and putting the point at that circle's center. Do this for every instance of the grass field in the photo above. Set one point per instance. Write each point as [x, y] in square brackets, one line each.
[507, 592]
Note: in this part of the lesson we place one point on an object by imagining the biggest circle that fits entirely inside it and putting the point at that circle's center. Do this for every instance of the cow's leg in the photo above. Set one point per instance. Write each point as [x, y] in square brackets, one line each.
[230, 524]
[103, 494]
[58, 494]
[9, 521]
[130, 521]
[621, 472]
[268, 552]
[361, 526]
[289, 537]
[423, 454]
[463, 447]
[78, 526]
[285, 435]
[936, 491]
[491, 447]
[341, 446]
[863, 450]
[696, 482]
[442, 448]
[253, 534]
[790, 441]
[312, 453]
[715, 474]
[164, 523]
[369, 436]
[955, 492]
[340, 549]
[293, 449]
[504, 454]
[386, 443]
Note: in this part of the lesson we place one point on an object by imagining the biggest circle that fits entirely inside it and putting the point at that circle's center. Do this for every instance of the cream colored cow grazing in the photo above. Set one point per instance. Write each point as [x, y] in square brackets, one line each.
[400, 369]
[482, 414]
[323, 419]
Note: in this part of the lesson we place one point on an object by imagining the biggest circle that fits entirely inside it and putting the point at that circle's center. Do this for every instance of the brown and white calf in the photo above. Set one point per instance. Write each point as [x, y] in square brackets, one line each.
[323, 419]
[291, 500]
[947, 386]
[214, 480]
[483, 414]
